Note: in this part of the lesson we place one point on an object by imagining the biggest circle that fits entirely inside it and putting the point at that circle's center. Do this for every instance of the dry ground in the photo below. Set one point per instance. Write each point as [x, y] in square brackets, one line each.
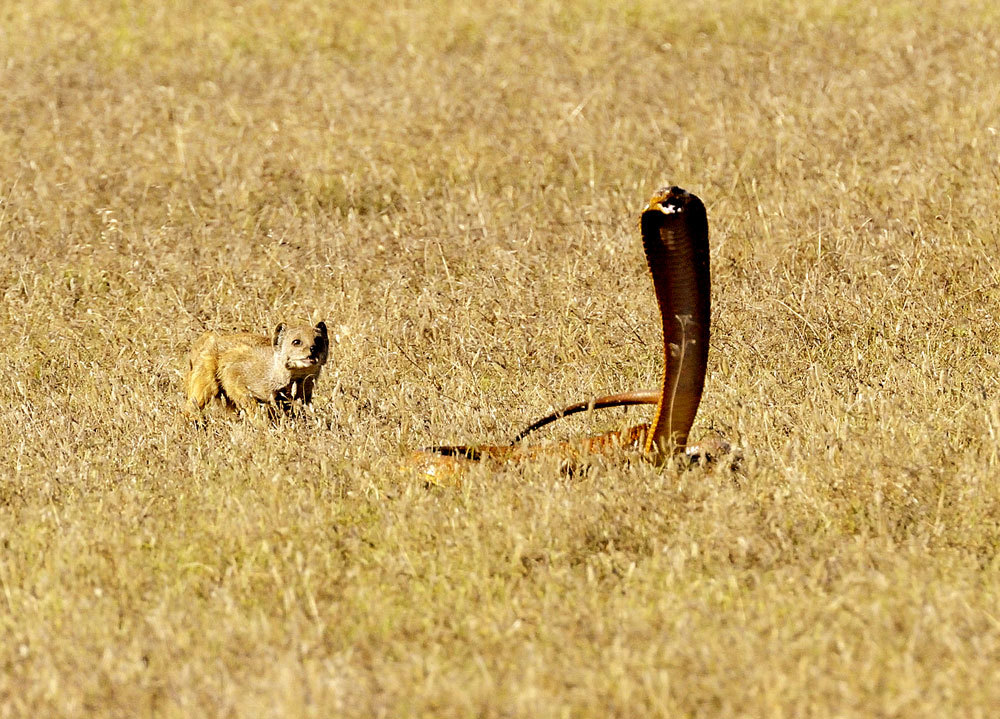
[455, 191]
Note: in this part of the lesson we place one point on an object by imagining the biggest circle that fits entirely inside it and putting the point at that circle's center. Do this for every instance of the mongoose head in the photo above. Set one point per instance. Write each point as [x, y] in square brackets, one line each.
[301, 346]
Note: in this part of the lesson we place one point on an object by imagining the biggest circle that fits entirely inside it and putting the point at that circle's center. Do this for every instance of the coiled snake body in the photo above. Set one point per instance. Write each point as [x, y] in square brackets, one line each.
[674, 229]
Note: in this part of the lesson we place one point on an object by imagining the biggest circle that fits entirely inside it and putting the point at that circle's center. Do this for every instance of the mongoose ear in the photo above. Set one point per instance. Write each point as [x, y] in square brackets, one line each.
[278, 331]
[321, 328]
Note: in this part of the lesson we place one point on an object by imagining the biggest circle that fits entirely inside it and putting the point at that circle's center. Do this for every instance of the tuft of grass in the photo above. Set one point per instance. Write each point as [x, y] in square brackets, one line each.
[454, 189]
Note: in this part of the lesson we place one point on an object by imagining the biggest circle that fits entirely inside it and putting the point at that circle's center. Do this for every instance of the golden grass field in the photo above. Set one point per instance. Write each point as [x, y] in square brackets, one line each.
[454, 189]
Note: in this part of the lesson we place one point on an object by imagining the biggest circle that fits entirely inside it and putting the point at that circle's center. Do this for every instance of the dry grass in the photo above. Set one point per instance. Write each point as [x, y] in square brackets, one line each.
[454, 190]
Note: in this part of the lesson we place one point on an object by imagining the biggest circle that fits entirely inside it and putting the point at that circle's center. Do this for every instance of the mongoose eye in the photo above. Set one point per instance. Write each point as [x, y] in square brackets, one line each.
[296, 343]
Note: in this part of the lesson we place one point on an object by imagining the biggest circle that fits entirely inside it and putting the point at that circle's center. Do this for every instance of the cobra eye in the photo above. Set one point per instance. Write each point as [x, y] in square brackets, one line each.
[296, 343]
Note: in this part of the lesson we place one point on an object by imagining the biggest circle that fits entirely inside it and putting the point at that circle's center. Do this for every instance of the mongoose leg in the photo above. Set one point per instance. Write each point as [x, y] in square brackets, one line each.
[237, 391]
[306, 387]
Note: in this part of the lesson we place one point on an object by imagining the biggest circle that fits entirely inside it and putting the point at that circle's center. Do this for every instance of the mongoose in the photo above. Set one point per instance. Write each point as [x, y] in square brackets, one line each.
[245, 369]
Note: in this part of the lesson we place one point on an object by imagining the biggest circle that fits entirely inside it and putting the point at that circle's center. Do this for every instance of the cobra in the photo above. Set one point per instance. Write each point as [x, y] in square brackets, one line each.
[674, 230]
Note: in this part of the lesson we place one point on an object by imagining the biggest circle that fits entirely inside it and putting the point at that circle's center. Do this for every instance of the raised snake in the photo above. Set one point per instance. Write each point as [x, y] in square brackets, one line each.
[674, 230]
